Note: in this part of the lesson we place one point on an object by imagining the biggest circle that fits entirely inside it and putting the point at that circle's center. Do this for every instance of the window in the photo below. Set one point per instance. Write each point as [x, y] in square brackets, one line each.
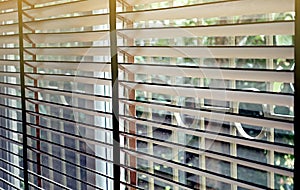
[153, 94]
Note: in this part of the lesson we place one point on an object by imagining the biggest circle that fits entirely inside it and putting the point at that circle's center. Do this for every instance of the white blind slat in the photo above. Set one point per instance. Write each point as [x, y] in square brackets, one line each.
[224, 95]
[212, 52]
[69, 22]
[276, 28]
[216, 73]
[67, 8]
[210, 10]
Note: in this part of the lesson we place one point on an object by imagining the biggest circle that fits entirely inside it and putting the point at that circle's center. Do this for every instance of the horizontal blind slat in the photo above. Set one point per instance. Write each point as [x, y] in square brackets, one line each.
[11, 4]
[216, 94]
[67, 8]
[271, 28]
[212, 52]
[66, 78]
[69, 22]
[215, 73]
[69, 51]
[218, 9]
[67, 37]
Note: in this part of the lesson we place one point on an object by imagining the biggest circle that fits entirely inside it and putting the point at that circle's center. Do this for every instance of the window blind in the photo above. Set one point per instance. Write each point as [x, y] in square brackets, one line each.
[10, 101]
[198, 96]
[152, 94]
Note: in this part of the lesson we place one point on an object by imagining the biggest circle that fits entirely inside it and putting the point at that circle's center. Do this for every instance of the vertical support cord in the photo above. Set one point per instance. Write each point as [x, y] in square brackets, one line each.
[115, 93]
[297, 94]
[132, 108]
[37, 118]
[23, 101]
